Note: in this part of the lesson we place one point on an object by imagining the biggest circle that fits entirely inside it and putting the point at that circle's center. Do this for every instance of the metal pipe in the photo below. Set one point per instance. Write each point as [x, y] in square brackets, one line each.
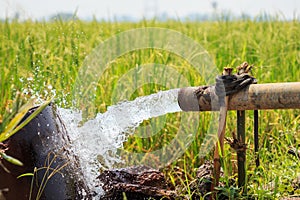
[241, 155]
[256, 138]
[253, 97]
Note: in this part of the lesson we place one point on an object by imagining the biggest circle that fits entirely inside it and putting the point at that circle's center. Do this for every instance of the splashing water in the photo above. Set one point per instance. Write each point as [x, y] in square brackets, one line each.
[105, 134]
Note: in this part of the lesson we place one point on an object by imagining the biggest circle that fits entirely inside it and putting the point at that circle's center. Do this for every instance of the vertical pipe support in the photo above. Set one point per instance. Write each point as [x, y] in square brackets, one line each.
[256, 137]
[241, 154]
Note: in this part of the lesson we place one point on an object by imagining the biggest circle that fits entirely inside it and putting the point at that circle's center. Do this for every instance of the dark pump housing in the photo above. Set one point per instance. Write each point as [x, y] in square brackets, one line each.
[42, 145]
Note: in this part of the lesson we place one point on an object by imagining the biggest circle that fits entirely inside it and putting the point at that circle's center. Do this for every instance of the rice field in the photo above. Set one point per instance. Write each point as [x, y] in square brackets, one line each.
[42, 60]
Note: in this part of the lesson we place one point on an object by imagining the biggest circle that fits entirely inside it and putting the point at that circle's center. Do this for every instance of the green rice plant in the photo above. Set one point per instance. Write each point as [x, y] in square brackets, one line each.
[35, 56]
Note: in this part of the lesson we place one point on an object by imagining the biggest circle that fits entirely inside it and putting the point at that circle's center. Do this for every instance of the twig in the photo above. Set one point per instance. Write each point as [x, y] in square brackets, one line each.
[221, 135]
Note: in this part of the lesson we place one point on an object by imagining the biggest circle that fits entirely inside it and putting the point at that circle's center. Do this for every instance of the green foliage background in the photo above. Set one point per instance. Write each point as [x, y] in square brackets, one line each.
[36, 57]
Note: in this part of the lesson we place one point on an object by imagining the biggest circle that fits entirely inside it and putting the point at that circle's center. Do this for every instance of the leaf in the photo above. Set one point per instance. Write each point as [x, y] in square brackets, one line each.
[15, 121]
[26, 174]
[13, 126]
[11, 159]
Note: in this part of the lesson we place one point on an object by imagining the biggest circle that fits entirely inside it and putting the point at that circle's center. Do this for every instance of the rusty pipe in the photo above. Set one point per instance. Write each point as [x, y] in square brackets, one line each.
[253, 97]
